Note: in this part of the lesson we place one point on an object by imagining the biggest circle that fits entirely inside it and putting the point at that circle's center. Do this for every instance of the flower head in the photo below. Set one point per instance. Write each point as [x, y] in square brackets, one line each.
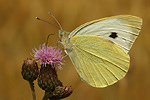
[48, 55]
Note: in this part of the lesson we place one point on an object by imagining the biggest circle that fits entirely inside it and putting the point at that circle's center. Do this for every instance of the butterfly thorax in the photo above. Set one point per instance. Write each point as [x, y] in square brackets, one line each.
[65, 41]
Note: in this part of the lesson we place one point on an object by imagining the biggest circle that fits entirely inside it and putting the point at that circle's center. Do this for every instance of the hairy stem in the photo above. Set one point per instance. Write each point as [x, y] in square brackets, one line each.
[33, 90]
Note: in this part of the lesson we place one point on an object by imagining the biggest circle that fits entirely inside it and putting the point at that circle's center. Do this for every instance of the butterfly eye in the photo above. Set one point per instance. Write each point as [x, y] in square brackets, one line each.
[61, 34]
[113, 35]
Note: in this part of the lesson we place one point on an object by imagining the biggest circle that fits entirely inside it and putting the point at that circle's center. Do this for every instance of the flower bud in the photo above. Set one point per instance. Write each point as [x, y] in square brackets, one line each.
[48, 79]
[30, 70]
[61, 92]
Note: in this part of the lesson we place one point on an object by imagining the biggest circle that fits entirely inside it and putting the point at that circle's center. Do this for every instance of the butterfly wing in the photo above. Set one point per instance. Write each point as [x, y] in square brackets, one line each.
[122, 29]
[98, 61]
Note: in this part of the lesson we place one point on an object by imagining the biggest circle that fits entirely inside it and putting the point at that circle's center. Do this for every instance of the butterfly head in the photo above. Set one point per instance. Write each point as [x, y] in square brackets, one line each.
[62, 34]
[64, 40]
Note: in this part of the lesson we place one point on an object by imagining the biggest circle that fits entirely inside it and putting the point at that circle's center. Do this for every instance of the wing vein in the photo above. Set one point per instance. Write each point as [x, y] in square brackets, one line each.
[104, 59]
[87, 68]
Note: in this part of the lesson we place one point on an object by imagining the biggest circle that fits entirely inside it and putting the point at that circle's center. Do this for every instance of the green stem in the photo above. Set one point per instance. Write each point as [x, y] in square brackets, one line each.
[33, 90]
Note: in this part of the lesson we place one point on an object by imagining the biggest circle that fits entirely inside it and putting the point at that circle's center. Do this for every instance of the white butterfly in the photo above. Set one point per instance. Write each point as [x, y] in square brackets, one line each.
[99, 49]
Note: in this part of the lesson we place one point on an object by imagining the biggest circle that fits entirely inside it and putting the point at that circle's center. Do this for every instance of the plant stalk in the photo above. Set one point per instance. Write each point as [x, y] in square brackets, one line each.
[33, 90]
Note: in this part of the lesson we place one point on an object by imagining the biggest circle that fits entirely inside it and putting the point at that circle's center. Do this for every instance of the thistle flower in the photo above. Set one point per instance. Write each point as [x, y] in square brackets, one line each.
[48, 55]
[49, 58]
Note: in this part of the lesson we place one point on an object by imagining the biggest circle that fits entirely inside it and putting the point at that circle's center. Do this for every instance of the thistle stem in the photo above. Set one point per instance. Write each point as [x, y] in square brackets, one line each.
[54, 99]
[47, 95]
[33, 90]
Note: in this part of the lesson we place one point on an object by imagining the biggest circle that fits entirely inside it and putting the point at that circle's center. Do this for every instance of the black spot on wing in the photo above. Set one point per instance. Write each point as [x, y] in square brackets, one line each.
[113, 35]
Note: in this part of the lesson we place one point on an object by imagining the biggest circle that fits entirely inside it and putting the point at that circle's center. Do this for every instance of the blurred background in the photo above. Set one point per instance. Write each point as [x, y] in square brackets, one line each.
[20, 32]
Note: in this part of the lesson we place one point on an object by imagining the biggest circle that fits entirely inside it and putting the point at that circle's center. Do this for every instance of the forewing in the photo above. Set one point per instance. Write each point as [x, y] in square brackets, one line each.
[98, 61]
[122, 29]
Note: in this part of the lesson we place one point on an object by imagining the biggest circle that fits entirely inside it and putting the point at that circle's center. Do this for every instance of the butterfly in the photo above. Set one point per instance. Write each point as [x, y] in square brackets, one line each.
[99, 49]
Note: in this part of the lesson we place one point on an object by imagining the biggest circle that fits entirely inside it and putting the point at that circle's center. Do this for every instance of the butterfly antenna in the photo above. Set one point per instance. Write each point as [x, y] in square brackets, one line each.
[56, 21]
[46, 22]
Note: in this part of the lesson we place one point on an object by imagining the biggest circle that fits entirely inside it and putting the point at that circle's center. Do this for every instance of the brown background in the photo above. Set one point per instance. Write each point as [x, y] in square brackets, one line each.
[20, 32]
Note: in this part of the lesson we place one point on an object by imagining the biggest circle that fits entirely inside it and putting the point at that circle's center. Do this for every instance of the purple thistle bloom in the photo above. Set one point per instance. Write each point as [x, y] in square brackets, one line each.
[48, 55]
